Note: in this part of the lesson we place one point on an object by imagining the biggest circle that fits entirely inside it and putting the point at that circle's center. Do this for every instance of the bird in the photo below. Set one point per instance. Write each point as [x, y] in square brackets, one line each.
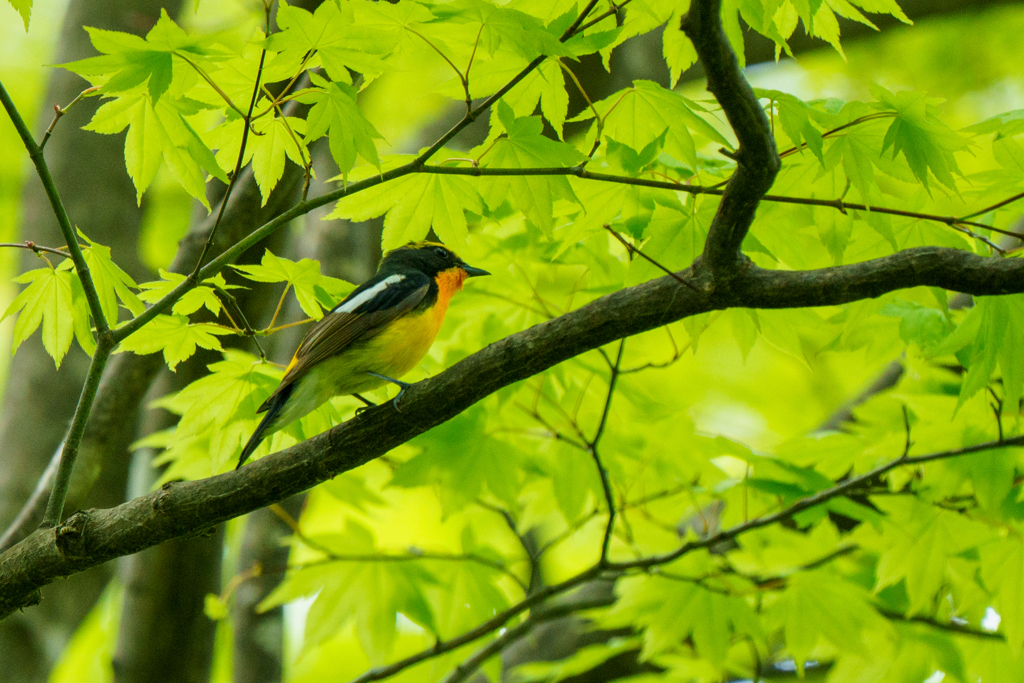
[378, 333]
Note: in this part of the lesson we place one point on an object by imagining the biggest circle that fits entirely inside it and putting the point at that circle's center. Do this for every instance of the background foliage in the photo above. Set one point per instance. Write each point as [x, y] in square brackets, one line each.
[721, 421]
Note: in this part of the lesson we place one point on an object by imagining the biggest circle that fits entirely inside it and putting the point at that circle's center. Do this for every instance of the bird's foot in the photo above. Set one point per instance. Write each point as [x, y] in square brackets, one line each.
[402, 387]
[369, 404]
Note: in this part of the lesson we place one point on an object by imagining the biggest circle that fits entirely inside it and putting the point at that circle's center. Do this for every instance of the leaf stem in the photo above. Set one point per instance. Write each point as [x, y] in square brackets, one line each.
[206, 77]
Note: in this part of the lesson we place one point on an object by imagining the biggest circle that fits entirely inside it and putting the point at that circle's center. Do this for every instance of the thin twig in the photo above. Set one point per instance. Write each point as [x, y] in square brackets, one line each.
[230, 301]
[597, 116]
[838, 204]
[59, 111]
[469, 65]
[105, 339]
[829, 133]
[62, 481]
[413, 555]
[997, 408]
[601, 471]
[906, 427]
[512, 635]
[633, 250]
[613, 12]
[247, 118]
[36, 248]
[812, 501]
[997, 205]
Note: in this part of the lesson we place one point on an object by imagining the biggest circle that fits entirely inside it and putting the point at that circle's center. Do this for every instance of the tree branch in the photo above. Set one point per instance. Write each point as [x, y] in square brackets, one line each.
[757, 158]
[601, 470]
[811, 501]
[182, 508]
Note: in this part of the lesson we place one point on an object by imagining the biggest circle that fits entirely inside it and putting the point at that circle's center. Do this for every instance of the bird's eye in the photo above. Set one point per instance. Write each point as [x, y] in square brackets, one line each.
[441, 251]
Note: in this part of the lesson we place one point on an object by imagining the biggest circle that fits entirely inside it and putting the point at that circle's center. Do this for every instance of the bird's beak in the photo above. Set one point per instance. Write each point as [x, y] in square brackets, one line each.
[474, 272]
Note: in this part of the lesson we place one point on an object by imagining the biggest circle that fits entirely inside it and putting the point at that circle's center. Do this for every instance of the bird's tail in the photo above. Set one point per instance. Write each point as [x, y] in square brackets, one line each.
[273, 406]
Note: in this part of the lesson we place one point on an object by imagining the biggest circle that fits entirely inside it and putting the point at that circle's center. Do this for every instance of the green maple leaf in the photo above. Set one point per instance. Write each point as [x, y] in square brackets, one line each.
[987, 337]
[414, 204]
[523, 146]
[336, 113]
[468, 596]
[175, 337]
[112, 284]
[795, 118]
[671, 611]
[48, 301]
[24, 8]
[503, 27]
[820, 605]
[1002, 570]
[677, 49]
[639, 115]
[927, 539]
[233, 390]
[370, 593]
[192, 300]
[546, 85]
[128, 61]
[333, 33]
[158, 133]
[459, 456]
[313, 290]
[926, 142]
[272, 140]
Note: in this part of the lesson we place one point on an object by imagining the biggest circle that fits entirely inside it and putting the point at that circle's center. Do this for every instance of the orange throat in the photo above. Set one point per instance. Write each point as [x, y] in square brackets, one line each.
[448, 282]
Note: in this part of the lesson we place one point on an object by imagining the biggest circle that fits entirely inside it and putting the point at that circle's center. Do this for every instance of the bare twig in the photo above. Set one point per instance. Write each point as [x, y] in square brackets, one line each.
[246, 119]
[58, 112]
[512, 635]
[633, 250]
[601, 471]
[36, 248]
[812, 501]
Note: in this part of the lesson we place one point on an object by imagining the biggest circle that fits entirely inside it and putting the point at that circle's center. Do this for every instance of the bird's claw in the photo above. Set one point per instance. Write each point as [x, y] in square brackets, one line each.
[402, 387]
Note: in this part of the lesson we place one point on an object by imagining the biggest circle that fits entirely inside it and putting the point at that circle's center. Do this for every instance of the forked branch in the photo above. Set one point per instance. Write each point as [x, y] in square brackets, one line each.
[757, 158]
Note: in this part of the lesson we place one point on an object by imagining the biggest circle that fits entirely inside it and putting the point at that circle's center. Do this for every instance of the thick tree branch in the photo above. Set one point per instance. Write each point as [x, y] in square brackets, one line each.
[757, 159]
[91, 537]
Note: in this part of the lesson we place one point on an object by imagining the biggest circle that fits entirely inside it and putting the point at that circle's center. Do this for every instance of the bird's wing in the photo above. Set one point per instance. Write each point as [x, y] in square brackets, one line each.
[362, 314]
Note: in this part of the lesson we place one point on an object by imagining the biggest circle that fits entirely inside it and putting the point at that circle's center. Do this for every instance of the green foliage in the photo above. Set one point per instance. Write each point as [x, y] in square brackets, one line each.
[709, 423]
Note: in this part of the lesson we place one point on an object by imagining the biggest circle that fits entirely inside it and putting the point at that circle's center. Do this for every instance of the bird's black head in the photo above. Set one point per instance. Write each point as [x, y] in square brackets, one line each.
[429, 258]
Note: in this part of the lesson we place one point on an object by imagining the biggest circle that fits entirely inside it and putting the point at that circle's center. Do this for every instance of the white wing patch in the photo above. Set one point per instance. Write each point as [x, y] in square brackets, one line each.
[352, 304]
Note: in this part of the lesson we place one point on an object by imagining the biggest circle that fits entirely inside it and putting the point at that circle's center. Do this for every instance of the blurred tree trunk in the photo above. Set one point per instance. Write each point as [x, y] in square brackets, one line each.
[258, 654]
[165, 634]
[89, 172]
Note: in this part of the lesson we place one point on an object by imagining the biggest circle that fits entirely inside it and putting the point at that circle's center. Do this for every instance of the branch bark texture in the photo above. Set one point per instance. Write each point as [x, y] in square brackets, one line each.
[179, 509]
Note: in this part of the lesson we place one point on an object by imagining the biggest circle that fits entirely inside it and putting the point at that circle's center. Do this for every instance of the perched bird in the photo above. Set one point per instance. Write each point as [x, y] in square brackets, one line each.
[378, 333]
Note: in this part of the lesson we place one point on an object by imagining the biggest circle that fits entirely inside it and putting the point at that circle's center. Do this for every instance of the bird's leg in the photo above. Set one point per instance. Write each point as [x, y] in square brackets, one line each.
[369, 404]
[403, 385]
